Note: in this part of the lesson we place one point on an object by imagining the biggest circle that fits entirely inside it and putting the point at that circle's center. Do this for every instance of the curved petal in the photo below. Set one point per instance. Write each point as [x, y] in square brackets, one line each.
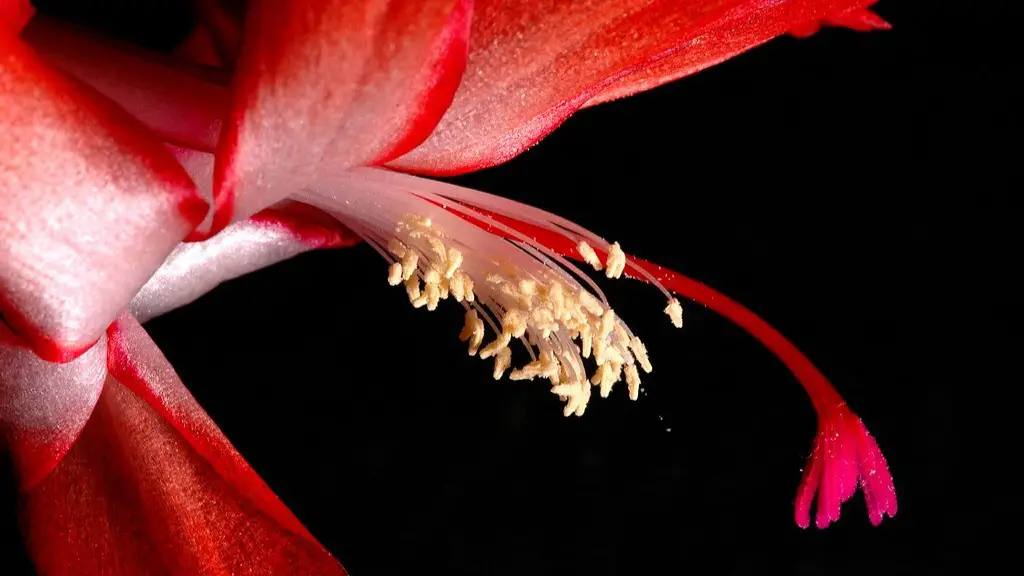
[14, 14]
[533, 63]
[153, 487]
[733, 34]
[90, 206]
[344, 82]
[44, 406]
[269, 237]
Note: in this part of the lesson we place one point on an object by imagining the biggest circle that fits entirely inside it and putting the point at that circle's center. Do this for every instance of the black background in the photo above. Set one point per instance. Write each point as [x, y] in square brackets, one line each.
[852, 189]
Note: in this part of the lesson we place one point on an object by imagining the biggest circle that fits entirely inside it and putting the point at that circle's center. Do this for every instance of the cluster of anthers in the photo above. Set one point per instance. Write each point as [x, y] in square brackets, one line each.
[558, 321]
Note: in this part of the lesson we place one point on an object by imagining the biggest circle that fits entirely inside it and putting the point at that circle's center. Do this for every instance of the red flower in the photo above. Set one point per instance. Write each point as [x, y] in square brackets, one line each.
[111, 158]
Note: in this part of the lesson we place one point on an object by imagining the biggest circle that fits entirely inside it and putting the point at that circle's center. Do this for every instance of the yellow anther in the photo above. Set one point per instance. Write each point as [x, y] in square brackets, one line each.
[457, 286]
[633, 381]
[454, 261]
[432, 276]
[502, 362]
[588, 254]
[514, 322]
[499, 344]
[409, 262]
[607, 324]
[412, 287]
[590, 304]
[675, 312]
[472, 331]
[616, 261]
[640, 353]
[433, 294]
[395, 274]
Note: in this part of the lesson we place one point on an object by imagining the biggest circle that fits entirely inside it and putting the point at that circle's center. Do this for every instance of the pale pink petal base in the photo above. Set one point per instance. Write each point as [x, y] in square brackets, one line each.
[91, 206]
[274, 235]
[44, 406]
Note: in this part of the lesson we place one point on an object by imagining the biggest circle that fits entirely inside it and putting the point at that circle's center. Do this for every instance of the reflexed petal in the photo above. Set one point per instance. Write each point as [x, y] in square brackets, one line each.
[90, 206]
[271, 236]
[735, 32]
[153, 487]
[532, 63]
[44, 406]
[333, 83]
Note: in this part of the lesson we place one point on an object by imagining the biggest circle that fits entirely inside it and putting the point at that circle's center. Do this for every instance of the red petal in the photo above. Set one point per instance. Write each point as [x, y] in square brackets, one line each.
[153, 487]
[273, 235]
[44, 406]
[533, 63]
[133, 497]
[14, 14]
[861, 20]
[90, 206]
[334, 81]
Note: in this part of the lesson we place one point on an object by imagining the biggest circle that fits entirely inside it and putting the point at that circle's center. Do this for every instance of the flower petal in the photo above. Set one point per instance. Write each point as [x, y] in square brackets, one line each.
[271, 236]
[183, 105]
[736, 32]
[533, 63]
[90, 206]
[153, 487]
[14, 14]
[44, 406]
[333, 81]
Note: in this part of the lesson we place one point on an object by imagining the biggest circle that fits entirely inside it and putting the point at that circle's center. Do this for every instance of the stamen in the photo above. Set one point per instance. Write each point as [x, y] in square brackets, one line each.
[516, 288]
[675, 312]
[588, 254]
[616, 261]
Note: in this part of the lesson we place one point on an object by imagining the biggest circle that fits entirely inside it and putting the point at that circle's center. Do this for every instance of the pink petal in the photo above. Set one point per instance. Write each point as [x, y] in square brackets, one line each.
[153, 487]
[90, 206]
[271, 236]
[334, 81]
[534, 63]
[44, 406]
[14, 14]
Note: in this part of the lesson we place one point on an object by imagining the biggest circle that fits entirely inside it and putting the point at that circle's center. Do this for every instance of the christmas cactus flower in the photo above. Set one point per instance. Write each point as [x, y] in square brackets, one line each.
[132, 183]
